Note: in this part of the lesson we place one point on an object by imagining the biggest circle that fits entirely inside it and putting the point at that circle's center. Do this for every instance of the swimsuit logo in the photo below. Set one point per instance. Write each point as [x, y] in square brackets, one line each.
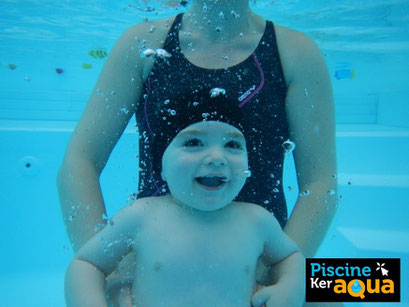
[352, 280]
[247, 93]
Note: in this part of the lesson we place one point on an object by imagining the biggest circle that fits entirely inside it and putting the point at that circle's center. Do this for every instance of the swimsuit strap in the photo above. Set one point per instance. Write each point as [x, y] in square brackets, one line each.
[171, 42]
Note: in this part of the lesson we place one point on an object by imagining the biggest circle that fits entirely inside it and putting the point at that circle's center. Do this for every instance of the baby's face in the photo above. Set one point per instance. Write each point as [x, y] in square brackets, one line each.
[203, 165]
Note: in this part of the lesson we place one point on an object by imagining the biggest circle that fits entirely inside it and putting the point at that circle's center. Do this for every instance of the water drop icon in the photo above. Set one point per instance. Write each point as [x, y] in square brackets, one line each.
[356, 287]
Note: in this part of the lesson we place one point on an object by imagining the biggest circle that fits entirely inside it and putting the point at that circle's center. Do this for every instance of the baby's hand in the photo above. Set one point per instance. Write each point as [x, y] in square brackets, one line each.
[273, 296]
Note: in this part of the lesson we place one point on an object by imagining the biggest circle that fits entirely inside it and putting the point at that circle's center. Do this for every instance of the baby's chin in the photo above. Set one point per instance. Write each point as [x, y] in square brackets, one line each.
[207, 204]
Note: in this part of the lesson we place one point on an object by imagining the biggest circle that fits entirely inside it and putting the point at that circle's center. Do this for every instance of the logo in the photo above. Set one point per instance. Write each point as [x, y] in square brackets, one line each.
[247, 93]
[352, 280]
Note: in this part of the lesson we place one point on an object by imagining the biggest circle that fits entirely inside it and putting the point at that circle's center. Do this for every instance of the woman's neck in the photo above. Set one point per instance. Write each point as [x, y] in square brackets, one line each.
[218, 20]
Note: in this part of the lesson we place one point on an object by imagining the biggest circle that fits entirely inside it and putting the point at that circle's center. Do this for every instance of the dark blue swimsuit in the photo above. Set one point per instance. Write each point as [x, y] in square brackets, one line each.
[257, 85]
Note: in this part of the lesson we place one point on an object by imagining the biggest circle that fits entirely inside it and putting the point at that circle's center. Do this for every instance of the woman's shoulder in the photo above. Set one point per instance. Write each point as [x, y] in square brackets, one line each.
[296, 50]
[287, 36]
[151, 32]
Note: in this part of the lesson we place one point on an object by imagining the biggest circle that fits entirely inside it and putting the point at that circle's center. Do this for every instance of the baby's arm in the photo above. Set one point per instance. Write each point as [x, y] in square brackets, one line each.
[85, 277]
[282, 253]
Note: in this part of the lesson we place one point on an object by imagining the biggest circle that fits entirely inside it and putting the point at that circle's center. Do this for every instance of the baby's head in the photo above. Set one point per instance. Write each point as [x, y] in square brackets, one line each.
[204, 153]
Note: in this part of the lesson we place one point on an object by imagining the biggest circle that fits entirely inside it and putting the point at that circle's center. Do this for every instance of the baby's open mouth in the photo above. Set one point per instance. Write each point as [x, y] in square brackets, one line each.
[212, 181]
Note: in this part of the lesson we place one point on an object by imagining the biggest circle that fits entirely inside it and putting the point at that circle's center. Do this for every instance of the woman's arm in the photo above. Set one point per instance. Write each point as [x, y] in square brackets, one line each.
[109, 109]
[310, 111]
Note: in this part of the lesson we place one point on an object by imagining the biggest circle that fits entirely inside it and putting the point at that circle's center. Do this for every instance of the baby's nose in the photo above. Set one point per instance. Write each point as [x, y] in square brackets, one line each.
[215, 157]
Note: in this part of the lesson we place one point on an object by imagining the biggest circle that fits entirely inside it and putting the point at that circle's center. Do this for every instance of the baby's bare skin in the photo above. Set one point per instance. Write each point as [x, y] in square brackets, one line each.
[184, 265]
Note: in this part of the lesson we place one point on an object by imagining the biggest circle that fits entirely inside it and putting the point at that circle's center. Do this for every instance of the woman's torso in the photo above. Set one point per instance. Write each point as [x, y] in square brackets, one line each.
[259, 87]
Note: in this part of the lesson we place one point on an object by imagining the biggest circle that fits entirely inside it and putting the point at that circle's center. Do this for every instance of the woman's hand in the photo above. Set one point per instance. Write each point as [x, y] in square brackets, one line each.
[276, 295]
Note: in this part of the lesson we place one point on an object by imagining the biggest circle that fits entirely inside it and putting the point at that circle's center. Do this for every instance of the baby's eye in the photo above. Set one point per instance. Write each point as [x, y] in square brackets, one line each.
[234, 145]
[193, 143]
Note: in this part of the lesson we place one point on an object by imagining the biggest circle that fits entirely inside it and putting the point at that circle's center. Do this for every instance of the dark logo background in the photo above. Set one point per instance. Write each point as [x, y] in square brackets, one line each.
[377, 271]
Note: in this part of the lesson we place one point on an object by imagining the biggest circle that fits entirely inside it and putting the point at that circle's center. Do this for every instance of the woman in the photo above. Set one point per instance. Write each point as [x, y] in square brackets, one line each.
[277, 75]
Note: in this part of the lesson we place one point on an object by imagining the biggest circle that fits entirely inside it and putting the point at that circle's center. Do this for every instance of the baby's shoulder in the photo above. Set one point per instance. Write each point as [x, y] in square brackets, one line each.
[256, 213]
[135, 211]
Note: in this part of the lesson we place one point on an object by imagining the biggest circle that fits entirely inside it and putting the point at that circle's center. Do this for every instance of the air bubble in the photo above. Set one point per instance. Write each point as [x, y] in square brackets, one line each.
[214, 92]
[288, 146]
[124, 110]
[305, 193]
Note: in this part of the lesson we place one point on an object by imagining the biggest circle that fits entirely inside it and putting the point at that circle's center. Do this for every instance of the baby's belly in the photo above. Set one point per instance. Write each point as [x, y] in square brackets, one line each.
[189, 283]
[183, 291]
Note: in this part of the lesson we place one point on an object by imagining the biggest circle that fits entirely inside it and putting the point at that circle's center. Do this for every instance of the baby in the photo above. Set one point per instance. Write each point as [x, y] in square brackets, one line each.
[194, 246]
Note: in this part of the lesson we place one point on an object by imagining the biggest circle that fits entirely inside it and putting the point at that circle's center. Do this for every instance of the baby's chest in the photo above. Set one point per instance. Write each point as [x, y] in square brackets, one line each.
[206, 251]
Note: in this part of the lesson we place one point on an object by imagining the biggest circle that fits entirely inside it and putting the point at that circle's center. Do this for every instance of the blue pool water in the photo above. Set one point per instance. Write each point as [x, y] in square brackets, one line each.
[47, 74]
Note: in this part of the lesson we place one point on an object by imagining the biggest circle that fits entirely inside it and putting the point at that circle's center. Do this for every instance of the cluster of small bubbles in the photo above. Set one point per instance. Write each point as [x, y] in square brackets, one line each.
[158, 53]
[131, 198]
[172, 112]
[278, 182]
[111, 93]
[275, 190]
[288, 146]
[221, 14]
[129, 242]
[306, 92]
[331, 192]
[234, 14]
[205, 115]
[151, 29]
[166, 101]
[271, 175]
[225, 57]
[104, 217]
[98, 227]
[195, 104]
[162, 53]
[124, 110]
[214, 92]
[305, 193]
